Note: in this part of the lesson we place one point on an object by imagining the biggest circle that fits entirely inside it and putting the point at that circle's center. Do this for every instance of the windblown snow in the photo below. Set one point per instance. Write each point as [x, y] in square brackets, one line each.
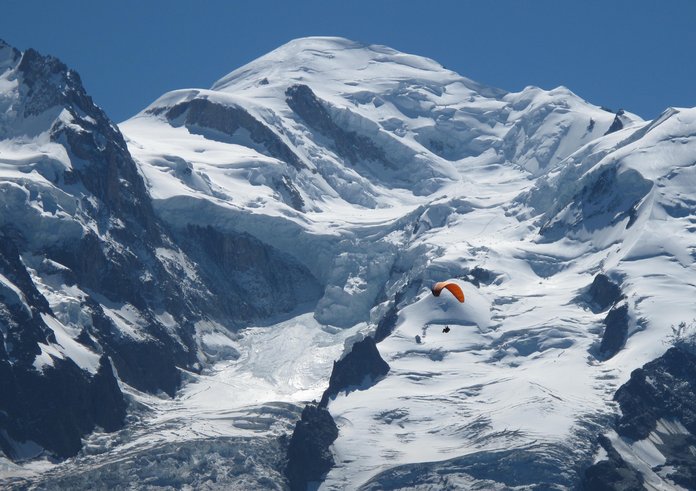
[381, 173]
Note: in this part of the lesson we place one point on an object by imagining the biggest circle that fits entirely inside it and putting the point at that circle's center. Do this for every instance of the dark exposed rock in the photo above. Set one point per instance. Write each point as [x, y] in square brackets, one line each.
[12, 267]
[478, 276]
[101, 161]
[615, 331]
[21, 325]
[53, 407]
[617, 124]
[248, 279]
[387, 323]
[662, 390]
[57, 406]
[228, 119]
[110, 174]
[48, 82]
[289, 193]
[119, 204]
[148, 364]
[603, 292]
[359, 369]
[309, 457]
[113, 261]
[98, 269]
[348, 144]
[107, 399]
[611, 474]
[685, 473]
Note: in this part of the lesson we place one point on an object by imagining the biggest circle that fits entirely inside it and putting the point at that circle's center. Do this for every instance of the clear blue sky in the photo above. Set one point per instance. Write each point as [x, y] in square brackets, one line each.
[633, 54]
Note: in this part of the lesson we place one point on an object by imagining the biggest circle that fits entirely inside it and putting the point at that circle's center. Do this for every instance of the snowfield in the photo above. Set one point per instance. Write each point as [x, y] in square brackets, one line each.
[382, 173]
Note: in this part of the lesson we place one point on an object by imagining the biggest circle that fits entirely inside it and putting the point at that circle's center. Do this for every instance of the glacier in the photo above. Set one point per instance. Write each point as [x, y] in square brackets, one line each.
[309, 200]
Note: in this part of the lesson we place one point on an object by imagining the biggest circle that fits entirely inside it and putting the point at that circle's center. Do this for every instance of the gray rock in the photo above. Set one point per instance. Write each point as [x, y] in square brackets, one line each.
[309, 456]
[615, 331]
[359, 369]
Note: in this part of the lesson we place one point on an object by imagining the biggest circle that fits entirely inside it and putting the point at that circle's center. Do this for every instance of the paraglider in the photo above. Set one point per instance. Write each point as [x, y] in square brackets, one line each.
[436, 289]
[453, 288]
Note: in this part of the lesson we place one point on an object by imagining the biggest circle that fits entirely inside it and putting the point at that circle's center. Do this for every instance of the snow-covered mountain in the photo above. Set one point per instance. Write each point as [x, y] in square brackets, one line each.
[298, 211]
[91, 281]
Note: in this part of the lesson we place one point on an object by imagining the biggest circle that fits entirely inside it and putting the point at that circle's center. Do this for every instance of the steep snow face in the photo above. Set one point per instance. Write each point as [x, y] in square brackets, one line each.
[399, 121]
[324, 144]
[634, 199]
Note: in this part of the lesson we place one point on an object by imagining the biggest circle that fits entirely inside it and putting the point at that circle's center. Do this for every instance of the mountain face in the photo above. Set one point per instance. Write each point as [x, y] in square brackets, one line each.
[93, 284]
[655, 432]
[229, 254]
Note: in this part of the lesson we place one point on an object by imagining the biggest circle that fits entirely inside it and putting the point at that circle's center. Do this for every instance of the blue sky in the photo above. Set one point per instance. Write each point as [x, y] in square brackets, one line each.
[632, 54]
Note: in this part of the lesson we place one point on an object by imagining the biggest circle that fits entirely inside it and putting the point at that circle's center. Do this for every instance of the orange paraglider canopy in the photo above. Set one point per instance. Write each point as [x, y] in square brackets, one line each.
[455, 289]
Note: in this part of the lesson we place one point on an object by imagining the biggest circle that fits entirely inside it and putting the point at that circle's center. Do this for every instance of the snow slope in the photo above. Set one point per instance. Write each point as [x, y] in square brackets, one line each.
[528, 375]
[224, 429]
[526, 186]
[325, 143]
[379, 173]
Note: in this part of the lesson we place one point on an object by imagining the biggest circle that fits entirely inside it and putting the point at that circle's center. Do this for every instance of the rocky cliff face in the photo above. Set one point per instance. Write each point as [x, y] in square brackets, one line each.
[93, 287]
[45, 406]
[359, 369]
[658, 414]
[249, 279]
[309, 456]
[84, 223]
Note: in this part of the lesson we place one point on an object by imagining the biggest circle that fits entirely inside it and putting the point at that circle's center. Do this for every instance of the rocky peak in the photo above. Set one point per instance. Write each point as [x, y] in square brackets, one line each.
[8, 55]
[48, 82]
